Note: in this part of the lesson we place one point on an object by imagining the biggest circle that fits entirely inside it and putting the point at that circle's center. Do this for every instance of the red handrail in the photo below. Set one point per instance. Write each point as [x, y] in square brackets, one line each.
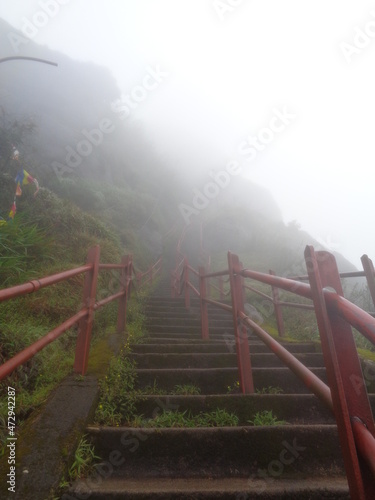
[32, 286]
[84, 317]
[336, 315]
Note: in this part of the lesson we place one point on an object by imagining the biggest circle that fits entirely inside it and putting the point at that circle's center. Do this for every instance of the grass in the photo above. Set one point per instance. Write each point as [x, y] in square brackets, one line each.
[186, 390]
[84, 459]
[266, 417]
[22, 246]
[50, 235]
[217, 418]
[269, 390]
[118, 393]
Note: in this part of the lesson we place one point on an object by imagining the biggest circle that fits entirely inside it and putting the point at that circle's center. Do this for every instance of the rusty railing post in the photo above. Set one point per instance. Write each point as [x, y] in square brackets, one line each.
[203, 304]
[122, 303]
[186, 284]
[85, 324]
[130, 277]
[344, 372]
[368, 268]
[240, 331]
[208, 282]
[277, 308]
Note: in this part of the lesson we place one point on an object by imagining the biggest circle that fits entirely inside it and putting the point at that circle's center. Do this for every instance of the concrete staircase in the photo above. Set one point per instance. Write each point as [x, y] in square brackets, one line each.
[297, 460]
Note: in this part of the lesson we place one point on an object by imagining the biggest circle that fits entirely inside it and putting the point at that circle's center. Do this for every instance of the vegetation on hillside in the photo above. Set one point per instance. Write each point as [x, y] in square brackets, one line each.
[50, 233]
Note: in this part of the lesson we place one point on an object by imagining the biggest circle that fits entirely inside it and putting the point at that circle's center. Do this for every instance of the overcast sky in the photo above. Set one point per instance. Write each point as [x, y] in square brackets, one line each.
[230, 69]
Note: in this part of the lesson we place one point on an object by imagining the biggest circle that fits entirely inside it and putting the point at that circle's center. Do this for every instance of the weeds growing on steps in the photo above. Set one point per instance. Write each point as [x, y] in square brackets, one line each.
[118, 394]
[266, 417]
[217, 418]
[46, 237]
[186, 390]
[84, 459]
[269, 390]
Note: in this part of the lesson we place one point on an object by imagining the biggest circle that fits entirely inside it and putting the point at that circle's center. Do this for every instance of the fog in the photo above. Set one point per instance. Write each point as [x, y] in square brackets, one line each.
[285, 89]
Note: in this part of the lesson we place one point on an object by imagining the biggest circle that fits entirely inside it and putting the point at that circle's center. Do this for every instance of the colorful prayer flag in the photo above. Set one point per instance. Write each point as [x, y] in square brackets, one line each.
[22, 179]
[12, 212]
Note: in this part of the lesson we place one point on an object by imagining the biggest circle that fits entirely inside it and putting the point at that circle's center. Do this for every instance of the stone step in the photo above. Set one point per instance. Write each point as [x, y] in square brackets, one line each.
[216, 452]
[217, 380]
[181, 327]
[171, 339]
[224, 337]
[193, 321]
[293, 408]
[202, 346]
[218, 360]
[263, 485]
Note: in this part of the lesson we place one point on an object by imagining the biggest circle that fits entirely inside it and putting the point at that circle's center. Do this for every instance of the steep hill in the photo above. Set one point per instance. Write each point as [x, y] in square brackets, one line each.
[65, 122]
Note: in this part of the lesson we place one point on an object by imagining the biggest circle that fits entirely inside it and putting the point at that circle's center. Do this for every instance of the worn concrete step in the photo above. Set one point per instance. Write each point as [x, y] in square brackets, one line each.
[167, 302]
[269, 485]
[218, 360]
[165, 339]
[155, 309]
[182, 334]
[172, 335]
[182, 327]
[218, 452]
[293, 408]
[217, 380]
[222, 335]
[171, 320]
[200, 347]
[162, 319]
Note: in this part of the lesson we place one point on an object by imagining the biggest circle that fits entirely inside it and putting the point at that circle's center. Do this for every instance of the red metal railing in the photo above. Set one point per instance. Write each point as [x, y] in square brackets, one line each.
[346, 393]
[84, 318]
[148, 276]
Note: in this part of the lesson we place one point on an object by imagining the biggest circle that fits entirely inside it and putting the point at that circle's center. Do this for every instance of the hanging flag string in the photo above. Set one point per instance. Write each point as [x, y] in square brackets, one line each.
[23, 178]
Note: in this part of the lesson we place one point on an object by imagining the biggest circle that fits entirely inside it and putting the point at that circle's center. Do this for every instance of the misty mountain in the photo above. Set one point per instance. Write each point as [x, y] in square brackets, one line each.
[77, 129]
[73, 132]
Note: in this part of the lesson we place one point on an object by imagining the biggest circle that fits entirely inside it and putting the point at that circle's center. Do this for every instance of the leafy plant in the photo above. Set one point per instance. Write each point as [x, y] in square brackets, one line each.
[22, 245]
[234, 388]
[269, 390]
[266, 417]
[84, 459]
[168, 418]
[118, 395]
[186, 390]
[152, 389]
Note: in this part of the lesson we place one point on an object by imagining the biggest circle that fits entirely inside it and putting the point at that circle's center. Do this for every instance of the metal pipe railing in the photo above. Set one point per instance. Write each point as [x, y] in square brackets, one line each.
[311, 381]
[34, 285]
[331, 308]
[84, 318]
[23, 356]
